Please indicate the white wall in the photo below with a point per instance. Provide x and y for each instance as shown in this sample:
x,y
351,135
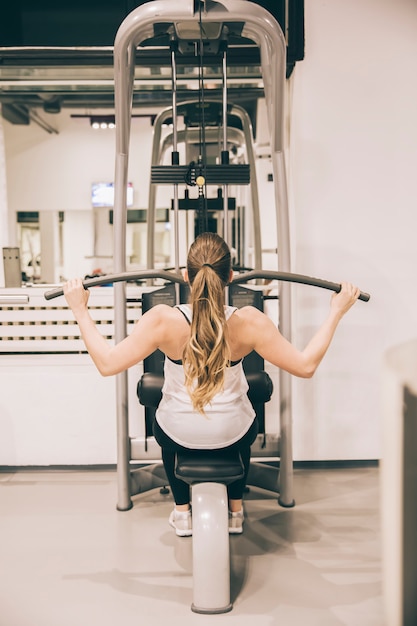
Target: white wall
x,y
353,157
54,172
62,418
353,162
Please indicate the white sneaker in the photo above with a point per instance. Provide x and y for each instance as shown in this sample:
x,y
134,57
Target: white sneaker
x,y
236,522
181,521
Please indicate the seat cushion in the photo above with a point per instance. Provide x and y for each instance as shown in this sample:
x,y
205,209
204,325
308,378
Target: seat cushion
x,y
218,466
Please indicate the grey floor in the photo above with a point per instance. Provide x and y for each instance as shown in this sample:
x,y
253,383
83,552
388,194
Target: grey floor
x,y
69,558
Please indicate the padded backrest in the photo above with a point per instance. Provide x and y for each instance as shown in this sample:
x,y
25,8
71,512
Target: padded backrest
x,y
240,296
166,295
149,388
154,363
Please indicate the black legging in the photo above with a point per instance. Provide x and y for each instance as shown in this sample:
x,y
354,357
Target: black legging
x,y
180,489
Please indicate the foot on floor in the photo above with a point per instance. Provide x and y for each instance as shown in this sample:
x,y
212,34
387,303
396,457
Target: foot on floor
x,y
236,522
181,521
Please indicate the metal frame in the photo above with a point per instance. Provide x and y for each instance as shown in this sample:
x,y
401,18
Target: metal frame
x,y
264,30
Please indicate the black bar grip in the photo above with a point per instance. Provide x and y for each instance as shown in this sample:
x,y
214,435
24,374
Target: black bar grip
x,y
117,278
294,278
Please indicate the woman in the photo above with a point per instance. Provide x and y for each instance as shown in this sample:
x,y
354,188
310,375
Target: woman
x,y
204,402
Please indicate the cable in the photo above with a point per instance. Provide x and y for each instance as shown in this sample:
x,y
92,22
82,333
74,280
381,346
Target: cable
x,y
202,161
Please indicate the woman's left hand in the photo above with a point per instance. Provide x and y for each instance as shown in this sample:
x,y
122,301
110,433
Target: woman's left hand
x,y
345,298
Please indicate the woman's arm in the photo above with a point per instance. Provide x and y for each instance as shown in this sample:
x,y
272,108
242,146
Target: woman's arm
x,y
273,347
109,359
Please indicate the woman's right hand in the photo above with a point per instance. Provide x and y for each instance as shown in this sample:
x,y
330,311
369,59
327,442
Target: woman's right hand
x,y
75,294
343,300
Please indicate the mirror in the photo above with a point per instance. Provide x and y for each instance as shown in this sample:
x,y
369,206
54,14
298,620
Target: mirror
x,y
50,182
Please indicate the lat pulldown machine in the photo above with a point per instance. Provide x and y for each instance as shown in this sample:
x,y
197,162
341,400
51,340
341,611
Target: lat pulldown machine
x,y
205,26
197,21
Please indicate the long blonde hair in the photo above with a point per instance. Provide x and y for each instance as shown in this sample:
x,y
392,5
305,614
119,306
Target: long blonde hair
x,y
207,354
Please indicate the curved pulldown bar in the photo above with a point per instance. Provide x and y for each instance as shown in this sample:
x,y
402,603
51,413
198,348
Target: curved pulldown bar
x,y
119,278
177,278
289,277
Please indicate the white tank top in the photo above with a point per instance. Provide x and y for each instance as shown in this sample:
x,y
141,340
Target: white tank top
x,y
227,418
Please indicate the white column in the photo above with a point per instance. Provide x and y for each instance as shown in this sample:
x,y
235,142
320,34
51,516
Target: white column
x,y
50,258
7,238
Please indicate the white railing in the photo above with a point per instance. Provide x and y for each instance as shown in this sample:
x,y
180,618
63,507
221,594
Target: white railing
x,y
31,324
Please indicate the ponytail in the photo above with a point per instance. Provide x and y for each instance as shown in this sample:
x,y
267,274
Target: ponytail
x,y
207,353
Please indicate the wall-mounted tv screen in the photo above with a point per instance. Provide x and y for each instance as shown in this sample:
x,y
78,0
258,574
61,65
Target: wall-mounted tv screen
x,y
102,194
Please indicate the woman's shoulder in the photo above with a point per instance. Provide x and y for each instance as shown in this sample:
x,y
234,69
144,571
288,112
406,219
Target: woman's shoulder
x,y
164,312
249,313
245,326
248,319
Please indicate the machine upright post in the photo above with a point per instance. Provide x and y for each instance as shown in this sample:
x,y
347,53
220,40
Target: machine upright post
x,y
225,153
175,161
123,448
285,383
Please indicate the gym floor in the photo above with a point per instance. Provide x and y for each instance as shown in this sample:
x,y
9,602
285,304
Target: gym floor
x,y
69,558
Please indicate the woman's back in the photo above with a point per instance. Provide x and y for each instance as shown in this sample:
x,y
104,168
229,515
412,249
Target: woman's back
x,y
178,331
226,418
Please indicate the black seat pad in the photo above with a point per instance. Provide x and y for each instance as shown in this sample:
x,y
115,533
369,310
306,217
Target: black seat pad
x,y
218,466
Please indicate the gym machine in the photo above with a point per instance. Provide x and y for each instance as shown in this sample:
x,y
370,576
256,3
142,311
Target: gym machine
x,y
205,25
